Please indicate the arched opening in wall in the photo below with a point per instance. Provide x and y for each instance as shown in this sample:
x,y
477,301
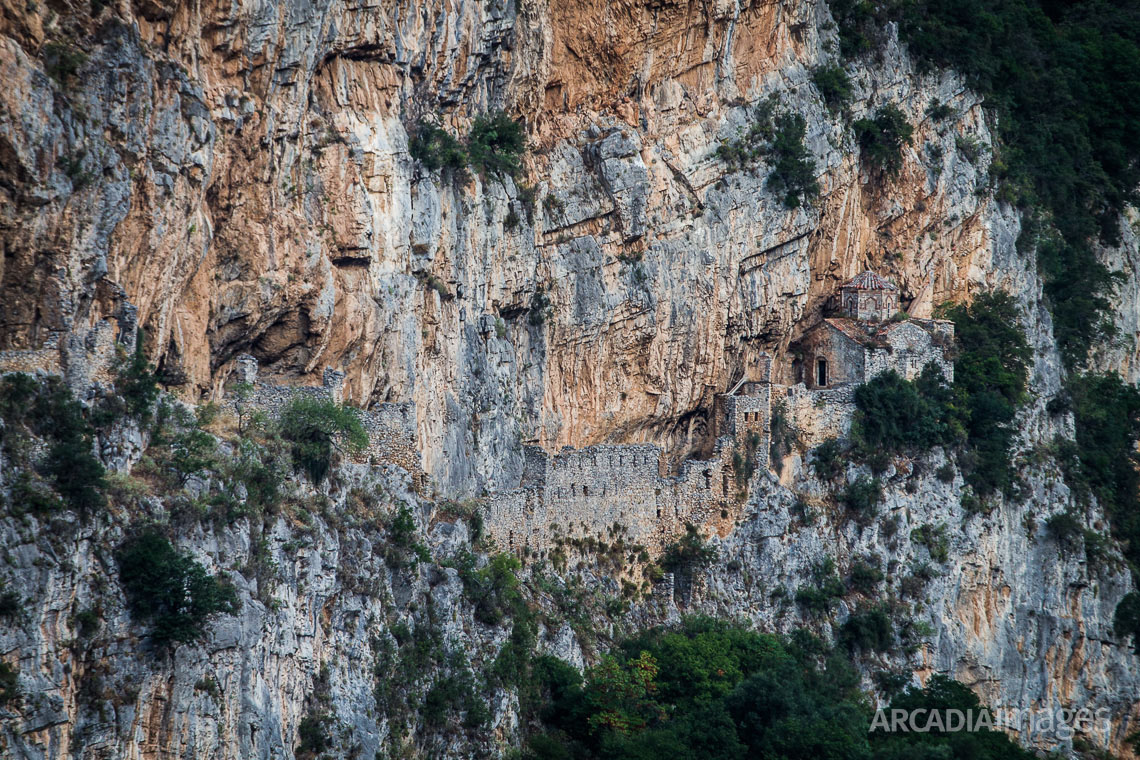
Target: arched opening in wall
x,y
659,513
821,372
585,490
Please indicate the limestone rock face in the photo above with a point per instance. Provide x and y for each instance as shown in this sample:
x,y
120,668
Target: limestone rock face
x,y
239,174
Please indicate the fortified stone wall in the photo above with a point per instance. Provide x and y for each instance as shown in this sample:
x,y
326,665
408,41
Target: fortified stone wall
x,y
587,492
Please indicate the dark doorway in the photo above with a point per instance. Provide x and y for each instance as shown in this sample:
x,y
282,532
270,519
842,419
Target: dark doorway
x,y
821,373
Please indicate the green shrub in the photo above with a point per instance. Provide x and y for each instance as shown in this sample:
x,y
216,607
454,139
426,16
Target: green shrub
x,y
1126,621
62,61
777,137
1102,460
824,589
688,553
313,734
861,498
136,383
1067,530
934,538
793,168
882,138
48,410
869,629
315,428
828,460
9,684
169,589
939,111
834,86
436,149
865,577
990,374
496,144
894,415
402,527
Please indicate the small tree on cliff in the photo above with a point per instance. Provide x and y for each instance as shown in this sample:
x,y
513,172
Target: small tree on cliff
x,y
315,428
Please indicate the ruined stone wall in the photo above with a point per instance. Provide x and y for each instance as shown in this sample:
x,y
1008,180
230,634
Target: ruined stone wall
x,y
817,414
910,347
605,490
391,427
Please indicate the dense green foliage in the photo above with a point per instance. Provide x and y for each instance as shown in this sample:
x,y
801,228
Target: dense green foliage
x,y
711,690
990,375
1064,79
882,138
1103,461
975,416
896,415
834,86
315,428
1126,621
494,145
777,136
47,410
169,589
688,553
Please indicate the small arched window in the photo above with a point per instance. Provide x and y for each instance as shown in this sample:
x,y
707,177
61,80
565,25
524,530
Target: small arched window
x,y
821,372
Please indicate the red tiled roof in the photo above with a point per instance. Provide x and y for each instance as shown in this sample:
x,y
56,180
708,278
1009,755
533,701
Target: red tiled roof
x,y
867,280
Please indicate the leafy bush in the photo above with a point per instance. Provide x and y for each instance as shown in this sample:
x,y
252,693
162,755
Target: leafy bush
x,y
777,137
828,460
9,684
869,629
313,734
793,168
882,138
496,144
861,498
436,149
934,538
1066,529
691,551
834,86
315,428
1102,461
169,589
865,577
824,589
136,383
1126,621
494,589
48,410
896,415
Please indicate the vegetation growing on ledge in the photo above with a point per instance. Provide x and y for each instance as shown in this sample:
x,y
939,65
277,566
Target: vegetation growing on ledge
x,y
777,138
169,589
315,428
1064,79
494,145
882,138
47,410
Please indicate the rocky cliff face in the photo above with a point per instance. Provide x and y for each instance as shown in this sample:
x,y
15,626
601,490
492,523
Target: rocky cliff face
x,y
241,175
